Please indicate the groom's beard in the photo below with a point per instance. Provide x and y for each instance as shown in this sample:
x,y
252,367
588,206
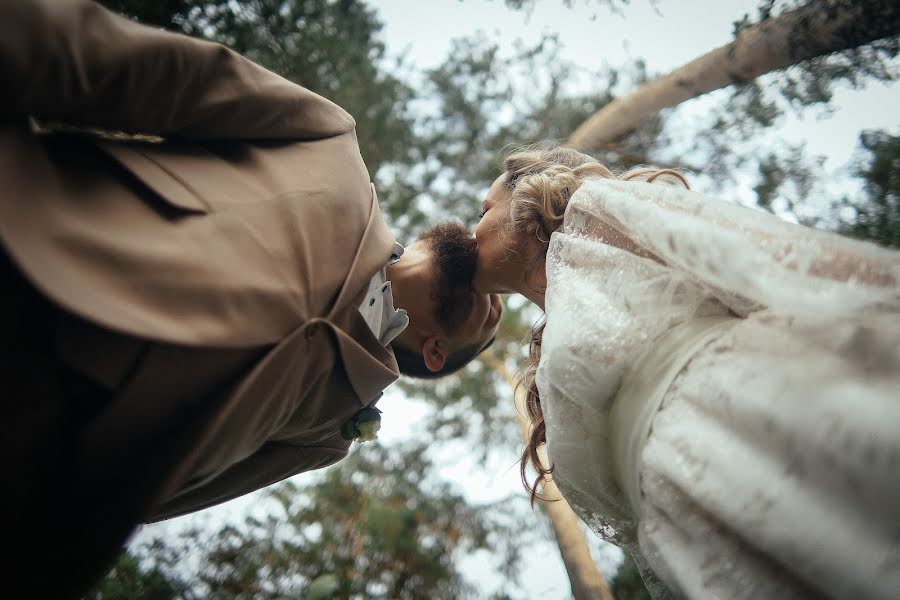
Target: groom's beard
x,y
455,255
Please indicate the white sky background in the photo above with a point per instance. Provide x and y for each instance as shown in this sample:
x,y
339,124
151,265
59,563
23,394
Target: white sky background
x,y
665,35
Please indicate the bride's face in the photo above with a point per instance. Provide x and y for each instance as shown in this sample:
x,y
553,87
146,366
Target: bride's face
x,y
502,251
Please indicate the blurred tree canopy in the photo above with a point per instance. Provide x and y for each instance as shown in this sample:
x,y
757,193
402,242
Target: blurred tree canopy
x,y
627,583
129,579
162,13
740,130
378,525
813,81
877,216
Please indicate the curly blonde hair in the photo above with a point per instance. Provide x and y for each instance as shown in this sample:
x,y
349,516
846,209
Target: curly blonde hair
x,y
541,180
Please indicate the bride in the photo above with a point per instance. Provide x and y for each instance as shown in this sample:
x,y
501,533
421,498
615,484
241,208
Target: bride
x,y
718,390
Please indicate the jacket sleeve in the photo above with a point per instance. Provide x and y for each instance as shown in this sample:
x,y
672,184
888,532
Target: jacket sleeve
x,y
74,62
272,463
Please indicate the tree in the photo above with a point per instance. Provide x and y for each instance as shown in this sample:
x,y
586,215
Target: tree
x,y
376,526
162,13
877,218
627,583
129,579
817,28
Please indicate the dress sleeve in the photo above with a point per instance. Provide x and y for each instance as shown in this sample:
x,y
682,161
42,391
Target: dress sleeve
x,y
604,307
744,257
75,62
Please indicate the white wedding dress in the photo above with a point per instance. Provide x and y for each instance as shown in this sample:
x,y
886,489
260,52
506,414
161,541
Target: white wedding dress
x,y
729,414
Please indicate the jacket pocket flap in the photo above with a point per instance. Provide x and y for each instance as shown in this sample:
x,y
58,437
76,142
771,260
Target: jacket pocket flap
x,y
155,176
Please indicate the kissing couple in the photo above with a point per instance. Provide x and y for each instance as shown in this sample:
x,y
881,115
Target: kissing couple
x,y
197,314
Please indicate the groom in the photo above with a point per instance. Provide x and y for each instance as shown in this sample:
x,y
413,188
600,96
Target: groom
x,y
188,318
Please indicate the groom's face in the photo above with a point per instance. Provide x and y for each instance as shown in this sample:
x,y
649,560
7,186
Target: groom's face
x,y
449,322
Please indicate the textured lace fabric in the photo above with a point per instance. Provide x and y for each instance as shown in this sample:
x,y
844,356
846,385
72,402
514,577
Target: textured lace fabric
x,y
773,466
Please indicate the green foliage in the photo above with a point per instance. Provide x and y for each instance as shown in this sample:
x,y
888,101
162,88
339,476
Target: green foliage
x,y
529,4
627,584
752,108
877,217
739,138
333,48
162,13
379,525
738,135
476,103
129,579
812,82
787,180
372,524
771,178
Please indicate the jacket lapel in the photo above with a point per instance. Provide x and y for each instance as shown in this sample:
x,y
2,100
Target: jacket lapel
x,y
370,366
373,253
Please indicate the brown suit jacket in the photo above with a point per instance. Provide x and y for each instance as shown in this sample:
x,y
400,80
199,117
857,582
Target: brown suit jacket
x,y
253,227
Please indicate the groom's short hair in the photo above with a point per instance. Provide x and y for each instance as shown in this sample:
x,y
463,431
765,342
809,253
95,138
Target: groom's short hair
x,y
412,364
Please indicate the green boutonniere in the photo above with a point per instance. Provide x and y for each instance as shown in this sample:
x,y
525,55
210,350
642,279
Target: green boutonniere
x,y
363,426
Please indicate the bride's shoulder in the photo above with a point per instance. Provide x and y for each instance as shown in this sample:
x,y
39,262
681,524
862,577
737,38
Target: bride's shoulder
x,y
600,196
606,209
587,204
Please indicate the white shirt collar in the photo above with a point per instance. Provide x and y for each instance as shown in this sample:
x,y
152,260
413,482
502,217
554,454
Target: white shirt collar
x,y
377,307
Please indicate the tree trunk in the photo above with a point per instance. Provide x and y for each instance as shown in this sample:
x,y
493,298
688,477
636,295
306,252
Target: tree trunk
x,y
817,28
584,575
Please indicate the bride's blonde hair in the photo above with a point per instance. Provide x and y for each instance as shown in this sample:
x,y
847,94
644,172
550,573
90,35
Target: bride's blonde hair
x,y
541,180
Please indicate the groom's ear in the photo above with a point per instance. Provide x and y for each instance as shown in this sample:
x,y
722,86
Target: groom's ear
x,y
434,352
